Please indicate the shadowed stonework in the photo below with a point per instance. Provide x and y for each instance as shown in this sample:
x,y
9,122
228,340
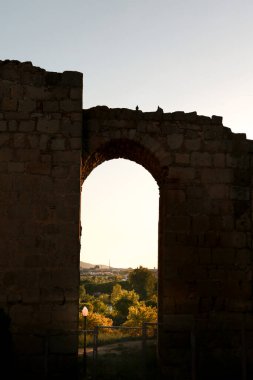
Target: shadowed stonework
x,y
48,146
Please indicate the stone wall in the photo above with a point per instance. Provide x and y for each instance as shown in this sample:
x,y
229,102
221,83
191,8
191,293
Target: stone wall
x,y
40,154
48,146
205,230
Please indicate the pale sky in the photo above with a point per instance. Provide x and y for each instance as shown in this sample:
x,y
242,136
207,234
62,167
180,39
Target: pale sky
x,y
183,55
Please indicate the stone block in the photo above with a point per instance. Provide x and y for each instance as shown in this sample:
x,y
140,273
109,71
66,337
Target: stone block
x,y
76,116
200,223
4,139
53,295
181,173
3,167
21,314
24,155
27,126
31,296
182,158
227,222
218,191
234,239
58,144
63,344
195,192
217,175
33,140
48,126
76,143
72,79
175,141
217,120
192,145
44,141
71,105
19,140
42,168
219,160
237,160
71,128
12,125
3,125
76,93
178,322
223,255
11,115
36,93
66,312
60,171
9,104
200,159
175,196
67,156
241,193
179,223
51,106
27,105
52,79
17,167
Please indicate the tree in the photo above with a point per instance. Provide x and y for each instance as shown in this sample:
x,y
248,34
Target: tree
x,y
122,305
121,300
116,294
96,319
82,292
143,281
152,301
139,314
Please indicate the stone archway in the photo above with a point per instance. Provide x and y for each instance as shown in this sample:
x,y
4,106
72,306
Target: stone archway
x,y
205,221
123,148
131,150
202,169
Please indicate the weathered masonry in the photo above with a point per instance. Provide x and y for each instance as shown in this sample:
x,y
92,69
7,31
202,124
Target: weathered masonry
x,y
48,146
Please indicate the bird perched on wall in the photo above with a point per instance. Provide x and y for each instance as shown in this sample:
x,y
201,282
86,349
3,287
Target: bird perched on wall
x,y
137,108
159,109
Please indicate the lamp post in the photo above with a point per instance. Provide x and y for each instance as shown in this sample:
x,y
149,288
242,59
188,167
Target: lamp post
x,y
84,314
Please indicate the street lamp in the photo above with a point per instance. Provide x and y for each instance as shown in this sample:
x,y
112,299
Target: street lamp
x,y
84,314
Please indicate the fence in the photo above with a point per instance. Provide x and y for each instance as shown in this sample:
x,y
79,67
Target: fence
x,y
195,335
143,337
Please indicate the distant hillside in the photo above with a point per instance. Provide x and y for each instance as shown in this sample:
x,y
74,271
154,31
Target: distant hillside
x,y
89,266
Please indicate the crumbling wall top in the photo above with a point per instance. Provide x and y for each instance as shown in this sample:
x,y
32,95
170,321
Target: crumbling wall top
x,y
27,73
101,112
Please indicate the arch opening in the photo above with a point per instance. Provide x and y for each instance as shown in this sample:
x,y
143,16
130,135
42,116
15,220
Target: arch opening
x,y
120,201
139,157
127,149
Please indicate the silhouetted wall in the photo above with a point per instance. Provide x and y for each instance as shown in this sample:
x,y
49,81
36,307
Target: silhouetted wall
x,y
48,146
40,156
205,231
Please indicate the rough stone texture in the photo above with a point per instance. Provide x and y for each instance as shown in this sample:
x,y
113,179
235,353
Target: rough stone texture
x,y
205,221
205,230
41,115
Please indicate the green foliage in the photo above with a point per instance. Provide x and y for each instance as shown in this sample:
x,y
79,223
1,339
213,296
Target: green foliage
x,y
105,298
102,287
116,303
95,319
152,301
121,300
143,281
86,300
82,292
116,293
139,314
